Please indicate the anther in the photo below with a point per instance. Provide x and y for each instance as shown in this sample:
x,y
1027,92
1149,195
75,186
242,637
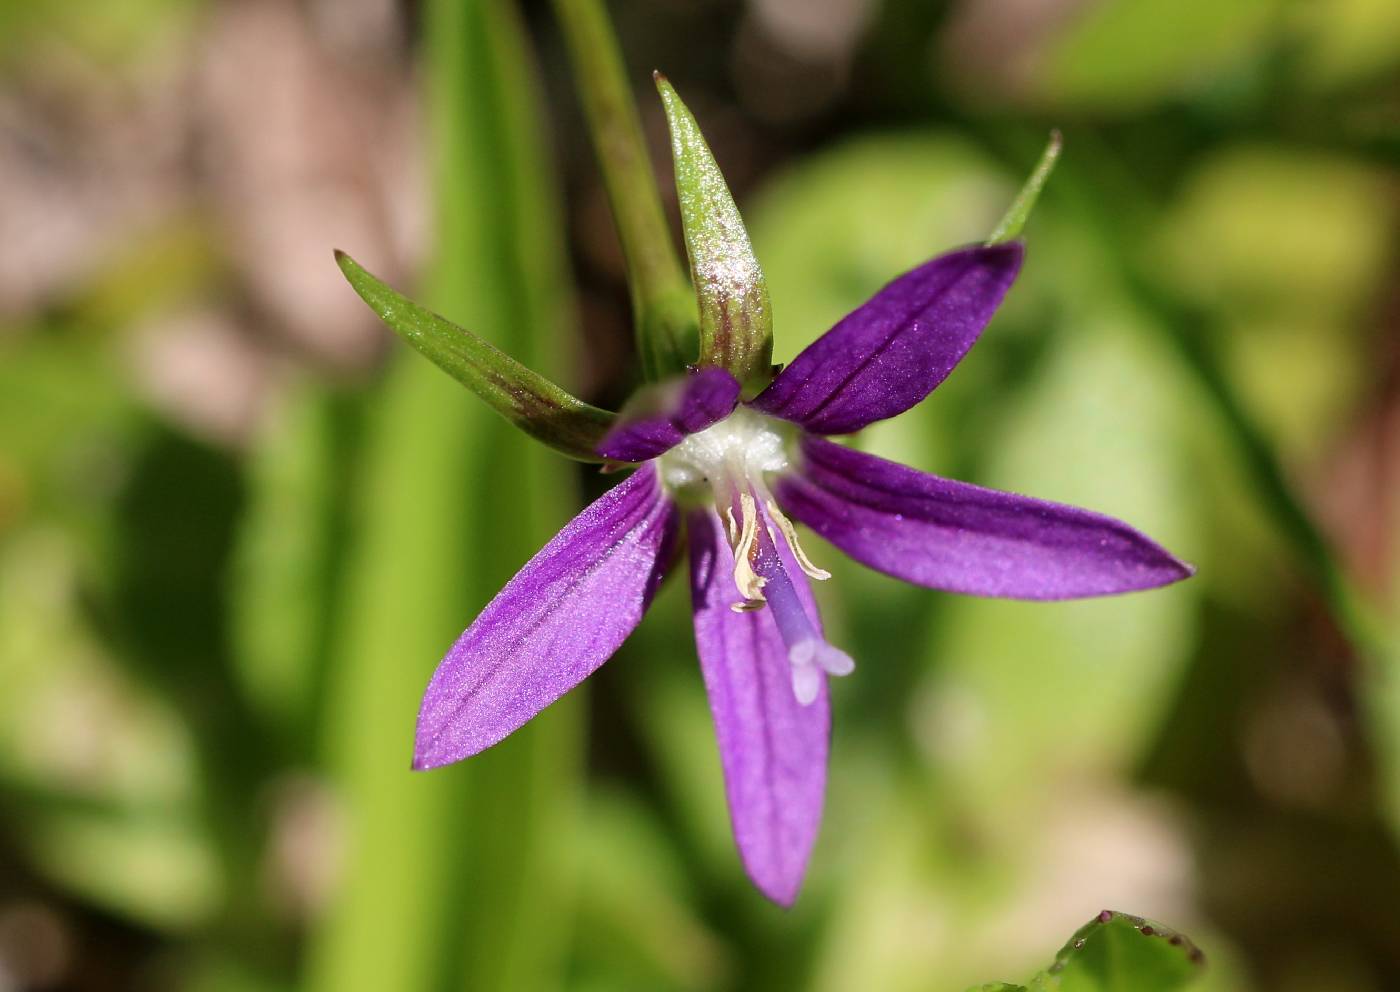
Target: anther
x,y
785,525
749,582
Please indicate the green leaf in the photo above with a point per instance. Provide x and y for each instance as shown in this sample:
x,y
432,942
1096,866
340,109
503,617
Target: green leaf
x,y
736,319
1024,203
524,397
1125,54
662,306
287,568
457,878
1090,712
1115,952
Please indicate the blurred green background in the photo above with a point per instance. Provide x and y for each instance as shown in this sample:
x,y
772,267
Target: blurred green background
x,y
239,525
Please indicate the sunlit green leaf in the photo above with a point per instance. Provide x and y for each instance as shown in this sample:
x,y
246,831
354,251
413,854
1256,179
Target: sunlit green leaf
x,y
1115,952
156,869
287,568
1286,246
1348,41
1125,53
736,319
1098,427
460,877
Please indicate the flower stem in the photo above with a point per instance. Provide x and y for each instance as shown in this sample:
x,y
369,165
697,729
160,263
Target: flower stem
x,y
663,305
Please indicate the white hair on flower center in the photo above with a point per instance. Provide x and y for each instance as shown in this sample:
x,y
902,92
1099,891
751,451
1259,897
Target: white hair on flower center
x,y
745,444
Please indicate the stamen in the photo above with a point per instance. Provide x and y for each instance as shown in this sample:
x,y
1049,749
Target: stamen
x,y
785,525
750,583
732,458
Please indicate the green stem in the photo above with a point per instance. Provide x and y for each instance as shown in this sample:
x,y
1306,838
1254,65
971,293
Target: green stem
x,y
1293,520
663,305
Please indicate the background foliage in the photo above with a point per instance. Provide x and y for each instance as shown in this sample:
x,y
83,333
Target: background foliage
x,y
238,527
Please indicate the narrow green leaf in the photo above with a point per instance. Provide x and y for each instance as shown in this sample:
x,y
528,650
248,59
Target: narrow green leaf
x,y
1024,203
287,567
736,319
457,878
389,925
525,398
661,296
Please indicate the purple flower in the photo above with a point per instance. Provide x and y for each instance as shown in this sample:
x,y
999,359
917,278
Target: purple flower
x,y
727,456
729,478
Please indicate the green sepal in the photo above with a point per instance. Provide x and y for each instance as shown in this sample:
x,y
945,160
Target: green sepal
x,y
1016,216
524,397
736,319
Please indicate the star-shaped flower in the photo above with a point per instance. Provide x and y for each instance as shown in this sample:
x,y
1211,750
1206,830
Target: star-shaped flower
x,y
726,458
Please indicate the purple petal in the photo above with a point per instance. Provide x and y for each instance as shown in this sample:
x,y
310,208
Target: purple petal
x,y
665,414
772,748
963,538
884,357
562,616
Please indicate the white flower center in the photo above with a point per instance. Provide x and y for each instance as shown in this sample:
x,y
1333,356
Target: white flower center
x,y
743,445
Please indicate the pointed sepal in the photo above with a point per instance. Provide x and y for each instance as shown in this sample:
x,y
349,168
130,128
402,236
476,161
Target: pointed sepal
x,y
524,397
1021,207
736,319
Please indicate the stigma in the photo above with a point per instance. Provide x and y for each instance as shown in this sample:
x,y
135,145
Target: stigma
x,y
774,551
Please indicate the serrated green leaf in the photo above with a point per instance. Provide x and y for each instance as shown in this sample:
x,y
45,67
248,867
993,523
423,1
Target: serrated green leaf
x,y
736,319
1115,952
527,399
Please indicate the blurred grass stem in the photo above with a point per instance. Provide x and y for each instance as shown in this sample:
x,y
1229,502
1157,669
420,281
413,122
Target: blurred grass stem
x,y
1188,330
